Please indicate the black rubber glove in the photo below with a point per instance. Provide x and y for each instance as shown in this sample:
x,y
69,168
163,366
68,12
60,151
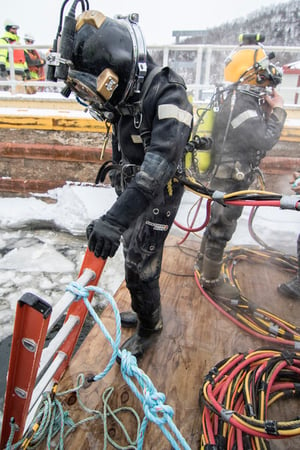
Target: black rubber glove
x,y
104,237
104,234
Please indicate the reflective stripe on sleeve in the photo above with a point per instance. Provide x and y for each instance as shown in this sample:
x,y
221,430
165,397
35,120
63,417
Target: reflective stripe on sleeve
x,y
241,118
170,111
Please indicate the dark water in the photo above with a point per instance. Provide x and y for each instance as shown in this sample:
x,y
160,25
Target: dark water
x,y
5,346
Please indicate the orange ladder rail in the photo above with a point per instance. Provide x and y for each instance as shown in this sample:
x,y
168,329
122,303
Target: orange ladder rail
x,y
30,373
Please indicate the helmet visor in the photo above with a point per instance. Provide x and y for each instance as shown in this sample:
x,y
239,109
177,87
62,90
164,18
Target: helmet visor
x,y
92,89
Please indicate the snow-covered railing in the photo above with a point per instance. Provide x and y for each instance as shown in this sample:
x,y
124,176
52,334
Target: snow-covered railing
x,y
201,66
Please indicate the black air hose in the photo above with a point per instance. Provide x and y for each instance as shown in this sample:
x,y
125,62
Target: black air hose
x,y
67,42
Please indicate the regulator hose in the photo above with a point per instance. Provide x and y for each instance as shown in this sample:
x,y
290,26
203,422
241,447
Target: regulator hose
x,y
236,396
252,318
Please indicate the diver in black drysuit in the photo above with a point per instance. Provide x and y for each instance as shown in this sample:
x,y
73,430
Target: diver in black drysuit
x,y
248,124
109,69
147,207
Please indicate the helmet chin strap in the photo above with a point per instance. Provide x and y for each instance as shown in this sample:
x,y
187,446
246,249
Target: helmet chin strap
x,y
139,66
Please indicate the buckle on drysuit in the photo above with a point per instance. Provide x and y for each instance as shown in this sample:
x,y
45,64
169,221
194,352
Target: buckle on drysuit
x,y
128,171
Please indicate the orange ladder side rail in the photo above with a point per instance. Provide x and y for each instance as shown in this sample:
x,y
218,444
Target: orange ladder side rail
x,y
31,328
29,334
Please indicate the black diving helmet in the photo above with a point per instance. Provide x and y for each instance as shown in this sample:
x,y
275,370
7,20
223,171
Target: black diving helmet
x,y
102,60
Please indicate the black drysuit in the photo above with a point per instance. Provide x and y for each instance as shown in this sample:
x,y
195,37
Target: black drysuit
x,y
242,134
149,142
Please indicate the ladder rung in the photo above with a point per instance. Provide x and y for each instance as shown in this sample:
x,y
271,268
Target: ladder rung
x,y
42,387
49,351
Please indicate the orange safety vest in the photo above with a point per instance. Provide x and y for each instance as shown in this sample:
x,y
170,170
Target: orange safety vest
x,y
19,56
36,72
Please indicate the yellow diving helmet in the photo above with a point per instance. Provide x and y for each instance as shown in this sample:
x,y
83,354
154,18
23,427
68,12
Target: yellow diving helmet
x,y
250,64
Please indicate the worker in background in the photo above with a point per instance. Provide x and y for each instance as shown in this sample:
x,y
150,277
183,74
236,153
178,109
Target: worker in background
x,y
152,119
34,61
248,124
10,36
291,289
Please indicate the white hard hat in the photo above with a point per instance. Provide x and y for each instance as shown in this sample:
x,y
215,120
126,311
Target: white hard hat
x,y
28,37
10,23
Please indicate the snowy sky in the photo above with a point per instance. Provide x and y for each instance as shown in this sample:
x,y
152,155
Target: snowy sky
x,y
157,18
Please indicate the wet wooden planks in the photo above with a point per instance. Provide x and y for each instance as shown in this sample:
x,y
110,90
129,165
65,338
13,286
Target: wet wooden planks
x,y
195,337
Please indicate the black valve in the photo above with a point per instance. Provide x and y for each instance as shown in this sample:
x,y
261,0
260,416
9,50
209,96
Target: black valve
x,y
251,38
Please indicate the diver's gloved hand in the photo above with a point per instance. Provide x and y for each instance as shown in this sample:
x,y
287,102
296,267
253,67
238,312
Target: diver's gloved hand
x,y
104,237
104,234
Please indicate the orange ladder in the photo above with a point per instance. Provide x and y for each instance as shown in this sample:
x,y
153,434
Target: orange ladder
x,y
34,367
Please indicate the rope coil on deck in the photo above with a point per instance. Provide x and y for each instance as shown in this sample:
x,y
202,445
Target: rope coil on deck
x,y
152,401
51,421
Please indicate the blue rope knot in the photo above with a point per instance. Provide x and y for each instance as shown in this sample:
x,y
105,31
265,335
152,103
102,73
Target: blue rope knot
x,y
154,407
78,290
128,363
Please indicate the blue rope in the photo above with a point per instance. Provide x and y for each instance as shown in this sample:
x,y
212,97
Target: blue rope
x,y
83,292
152,400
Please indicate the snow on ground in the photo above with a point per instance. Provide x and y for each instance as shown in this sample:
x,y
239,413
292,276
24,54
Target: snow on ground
x,y
42,243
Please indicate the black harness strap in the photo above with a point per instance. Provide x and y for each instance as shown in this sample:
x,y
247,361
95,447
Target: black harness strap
x,y
136,108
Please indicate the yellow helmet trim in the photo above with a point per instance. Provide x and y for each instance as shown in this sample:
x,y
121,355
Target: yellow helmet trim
x,y
94,18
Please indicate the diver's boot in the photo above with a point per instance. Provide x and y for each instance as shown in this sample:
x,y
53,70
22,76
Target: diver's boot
x,y
146,334
214,282
129,319
291,289
200,255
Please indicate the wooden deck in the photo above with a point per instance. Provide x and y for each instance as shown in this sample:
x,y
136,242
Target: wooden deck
x,y
195,337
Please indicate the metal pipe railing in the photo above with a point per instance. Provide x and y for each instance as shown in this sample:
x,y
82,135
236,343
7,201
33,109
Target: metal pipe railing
x,y
201,66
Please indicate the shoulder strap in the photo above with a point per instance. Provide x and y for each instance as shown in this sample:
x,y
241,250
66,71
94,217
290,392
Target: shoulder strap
x,y
138,117
136,108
